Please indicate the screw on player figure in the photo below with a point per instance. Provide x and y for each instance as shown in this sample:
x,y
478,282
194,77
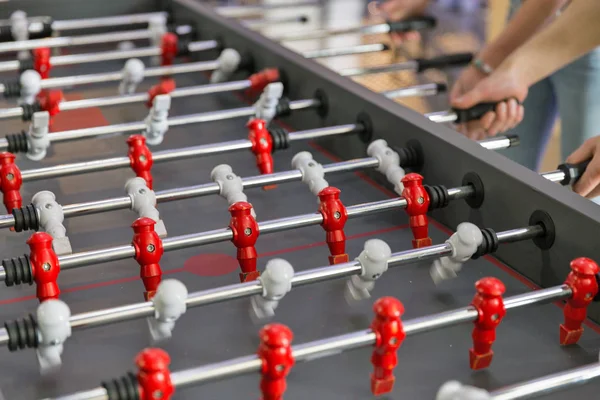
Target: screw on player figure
x,y
10,182
245,234
275,351
374,262
140,158
464,243
154,377
334,219
389,332
583,284
148,252
417,205
169,304
262,146
490,306
44,266
276,281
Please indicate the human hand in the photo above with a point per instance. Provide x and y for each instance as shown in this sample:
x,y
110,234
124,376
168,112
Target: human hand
x,y
589,183
468,79
396,10
502,84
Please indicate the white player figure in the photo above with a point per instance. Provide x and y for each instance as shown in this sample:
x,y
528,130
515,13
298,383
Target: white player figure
x,y
276,281
313,174
53,328
266,105
157,26
51,217
228,62
464,243
133,75
38,141
389,163
169,304
157,121
453,390
31,85
374,262
143,203
19,29
231,187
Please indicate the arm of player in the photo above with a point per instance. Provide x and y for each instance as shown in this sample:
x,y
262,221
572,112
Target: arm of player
x,y
570,36
526,22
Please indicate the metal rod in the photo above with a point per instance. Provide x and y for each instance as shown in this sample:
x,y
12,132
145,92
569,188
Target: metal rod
x,y
346,51
267,23
442,117
244,11
411,65
73,59
428,89
64,41
102,22
548,384
323,33
554,176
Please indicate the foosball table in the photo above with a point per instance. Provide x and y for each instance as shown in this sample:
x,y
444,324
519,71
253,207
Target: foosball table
x,y
295,234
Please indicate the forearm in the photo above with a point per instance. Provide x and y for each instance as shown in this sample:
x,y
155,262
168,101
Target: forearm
x,y
529,19
573,34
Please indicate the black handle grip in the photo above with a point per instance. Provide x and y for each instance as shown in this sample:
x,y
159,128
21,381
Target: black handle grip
x,y
473,113
450,60
572,172
6,34
413,24
43,31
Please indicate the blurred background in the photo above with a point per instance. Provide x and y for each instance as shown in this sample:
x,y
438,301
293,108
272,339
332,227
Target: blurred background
x,y
463,25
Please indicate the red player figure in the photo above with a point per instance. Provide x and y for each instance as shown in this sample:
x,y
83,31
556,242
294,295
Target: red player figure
x,y
148,252
275,351
41,61
140,158
262,146
583,284
334,219
490,306
387,326
44,266
168,47
50,101
10,181
245,234
417,205
154,377
165,86
260,80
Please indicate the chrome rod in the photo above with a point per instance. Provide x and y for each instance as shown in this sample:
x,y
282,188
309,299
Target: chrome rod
x,y
102,22
411,65
64,41
442,116
554,176
346,51
548,384
323,33
428,89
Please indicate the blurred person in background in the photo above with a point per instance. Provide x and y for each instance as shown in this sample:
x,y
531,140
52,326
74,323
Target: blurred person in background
x,y
546,62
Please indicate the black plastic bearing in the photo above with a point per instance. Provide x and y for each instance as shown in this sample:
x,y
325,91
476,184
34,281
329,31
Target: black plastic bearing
x,y
323,101
123,388
12,89
438,196
476,199
247,63
542,218
280,138
283,108
412,156
17,142
26,218
25,65
30,109
18,271
183,48
366,133
488,245
22,333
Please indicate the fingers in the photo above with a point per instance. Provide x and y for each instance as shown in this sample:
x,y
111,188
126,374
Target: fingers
x,y
589,183
402,37
584,152
501,119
